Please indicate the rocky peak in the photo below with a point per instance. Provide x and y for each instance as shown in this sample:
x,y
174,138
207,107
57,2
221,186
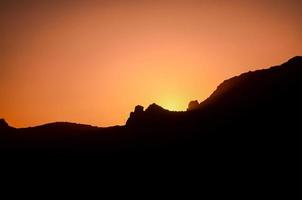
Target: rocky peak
x,y
193,105
139,109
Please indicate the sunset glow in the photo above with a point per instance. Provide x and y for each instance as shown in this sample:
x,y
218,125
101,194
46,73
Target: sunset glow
x,y
92,61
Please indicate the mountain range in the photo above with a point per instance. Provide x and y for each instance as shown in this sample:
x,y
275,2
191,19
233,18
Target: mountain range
x,y
255,113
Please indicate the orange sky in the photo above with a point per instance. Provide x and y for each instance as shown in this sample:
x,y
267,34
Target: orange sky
x,y
93,62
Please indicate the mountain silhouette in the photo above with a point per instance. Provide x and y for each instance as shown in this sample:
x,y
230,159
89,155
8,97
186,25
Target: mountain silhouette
x,y
193,105
3,123
4,127
255,113
268,91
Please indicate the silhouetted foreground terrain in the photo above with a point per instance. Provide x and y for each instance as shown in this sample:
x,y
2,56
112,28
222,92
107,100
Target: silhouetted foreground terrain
x,y
255,114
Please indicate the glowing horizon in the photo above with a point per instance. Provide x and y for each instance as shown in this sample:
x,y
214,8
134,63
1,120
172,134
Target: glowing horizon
x,y
92,62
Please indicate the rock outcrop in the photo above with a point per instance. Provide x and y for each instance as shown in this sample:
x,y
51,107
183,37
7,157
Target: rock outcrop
x,y
3,123
193,105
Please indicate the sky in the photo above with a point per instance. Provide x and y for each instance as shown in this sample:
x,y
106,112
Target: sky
x,y
92,62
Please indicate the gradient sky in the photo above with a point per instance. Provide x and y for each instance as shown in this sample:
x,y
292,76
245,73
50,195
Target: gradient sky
x,y
93,61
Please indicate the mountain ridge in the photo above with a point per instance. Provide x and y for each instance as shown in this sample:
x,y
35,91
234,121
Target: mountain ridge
x,y
154,108
244,87
254,112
